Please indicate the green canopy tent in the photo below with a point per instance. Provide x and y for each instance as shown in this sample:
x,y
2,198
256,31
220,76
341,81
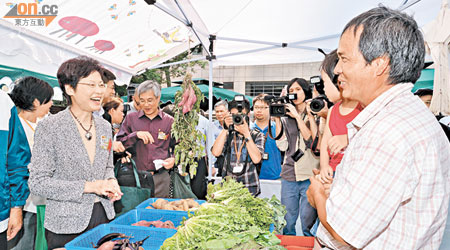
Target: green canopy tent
x,y
10,74
425,80
16,73
168,94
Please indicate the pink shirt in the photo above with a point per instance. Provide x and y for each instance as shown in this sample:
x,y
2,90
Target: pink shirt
x,y
391,190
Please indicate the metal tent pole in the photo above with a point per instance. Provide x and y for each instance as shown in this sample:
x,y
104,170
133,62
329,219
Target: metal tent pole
x,y
210,107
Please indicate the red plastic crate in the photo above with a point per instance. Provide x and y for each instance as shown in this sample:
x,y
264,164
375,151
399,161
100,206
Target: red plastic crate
x,y
301,242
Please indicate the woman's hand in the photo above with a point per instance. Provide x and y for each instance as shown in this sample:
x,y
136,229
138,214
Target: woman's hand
x,y
337,143
326,174
103,188
292,111
117,195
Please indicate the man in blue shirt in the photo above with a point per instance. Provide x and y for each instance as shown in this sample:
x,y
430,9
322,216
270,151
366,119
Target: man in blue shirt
x,y
14,159
271,165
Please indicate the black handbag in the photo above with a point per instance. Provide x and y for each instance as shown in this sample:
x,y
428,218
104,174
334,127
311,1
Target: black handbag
x,y
125,176
134,194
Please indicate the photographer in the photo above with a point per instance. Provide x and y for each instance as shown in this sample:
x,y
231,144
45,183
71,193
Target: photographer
x,y
271,164
294,136
241,147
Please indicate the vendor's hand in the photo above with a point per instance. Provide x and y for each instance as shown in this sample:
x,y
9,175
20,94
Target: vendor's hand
x,y
15,222
118,146
326,174
168,163
337,143
291,111
315,188
117,194
145,136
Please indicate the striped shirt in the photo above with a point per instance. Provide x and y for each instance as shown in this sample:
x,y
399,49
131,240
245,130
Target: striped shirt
x,y
391,190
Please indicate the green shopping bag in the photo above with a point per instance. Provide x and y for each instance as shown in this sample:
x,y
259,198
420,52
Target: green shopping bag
x,y
41,242
132,196
180,187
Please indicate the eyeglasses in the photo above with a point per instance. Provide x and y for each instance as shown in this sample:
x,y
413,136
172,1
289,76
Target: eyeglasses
x,y
260,107
92,85
149,101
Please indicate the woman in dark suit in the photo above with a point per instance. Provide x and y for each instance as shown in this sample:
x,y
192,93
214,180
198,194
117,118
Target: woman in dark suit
x,y
72,157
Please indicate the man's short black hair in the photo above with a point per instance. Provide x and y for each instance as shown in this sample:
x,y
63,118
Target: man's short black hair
x,y
233,105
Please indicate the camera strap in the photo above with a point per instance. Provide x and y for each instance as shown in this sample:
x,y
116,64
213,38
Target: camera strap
x,y
228,157
238,153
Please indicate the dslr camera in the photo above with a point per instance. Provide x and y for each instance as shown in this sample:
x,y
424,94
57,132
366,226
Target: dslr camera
x,y
277,105
318,103
239,118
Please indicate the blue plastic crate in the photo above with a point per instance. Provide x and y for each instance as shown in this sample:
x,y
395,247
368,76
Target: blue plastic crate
x,y
136,215
150,201
154,242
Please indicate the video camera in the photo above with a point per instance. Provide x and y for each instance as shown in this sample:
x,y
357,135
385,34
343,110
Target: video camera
x,y
318,103
277,104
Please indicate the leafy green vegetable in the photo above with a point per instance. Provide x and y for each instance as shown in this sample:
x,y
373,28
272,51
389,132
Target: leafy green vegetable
x,y
279,213
231,219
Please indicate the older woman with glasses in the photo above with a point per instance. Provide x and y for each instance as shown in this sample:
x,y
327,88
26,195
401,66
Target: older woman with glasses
x,y
72,158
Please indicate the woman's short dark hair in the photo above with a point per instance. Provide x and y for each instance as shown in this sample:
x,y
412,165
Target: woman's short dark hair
x,y
71,71
305,86
329,63
28,89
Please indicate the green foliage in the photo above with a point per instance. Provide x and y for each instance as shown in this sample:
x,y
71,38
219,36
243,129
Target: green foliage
x,y
167,73
231,219
188,138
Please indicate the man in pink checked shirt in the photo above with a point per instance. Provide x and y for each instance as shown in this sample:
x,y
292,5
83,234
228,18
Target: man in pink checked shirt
x,y
391,190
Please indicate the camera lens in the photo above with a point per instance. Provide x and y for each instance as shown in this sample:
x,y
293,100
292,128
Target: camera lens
x,y
317,104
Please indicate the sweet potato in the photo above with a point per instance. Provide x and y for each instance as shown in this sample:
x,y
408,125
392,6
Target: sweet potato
x,y
159,203
109,245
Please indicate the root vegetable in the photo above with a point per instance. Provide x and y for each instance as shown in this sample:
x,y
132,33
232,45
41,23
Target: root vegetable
x,y
109,245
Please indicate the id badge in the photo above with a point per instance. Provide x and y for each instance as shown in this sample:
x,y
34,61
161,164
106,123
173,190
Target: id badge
x,y
238,168
161,135
265,156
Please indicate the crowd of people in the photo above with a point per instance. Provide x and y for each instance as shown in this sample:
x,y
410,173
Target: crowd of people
x,y
370,168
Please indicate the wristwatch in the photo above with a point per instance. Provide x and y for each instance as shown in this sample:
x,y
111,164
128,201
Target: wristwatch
x,y
247,139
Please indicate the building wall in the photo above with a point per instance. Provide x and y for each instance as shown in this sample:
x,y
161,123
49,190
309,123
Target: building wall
x,y
239,75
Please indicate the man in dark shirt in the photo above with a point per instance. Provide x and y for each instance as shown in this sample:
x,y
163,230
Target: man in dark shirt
x,y
148,131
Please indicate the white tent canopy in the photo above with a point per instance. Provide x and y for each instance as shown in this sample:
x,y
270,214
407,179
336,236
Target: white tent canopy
x,y
130,36
126,36
265,26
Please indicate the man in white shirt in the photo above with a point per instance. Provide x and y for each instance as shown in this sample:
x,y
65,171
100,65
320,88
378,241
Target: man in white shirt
x,y
391,190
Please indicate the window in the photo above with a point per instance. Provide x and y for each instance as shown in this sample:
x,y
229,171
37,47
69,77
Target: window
x,y
228,85
271,88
